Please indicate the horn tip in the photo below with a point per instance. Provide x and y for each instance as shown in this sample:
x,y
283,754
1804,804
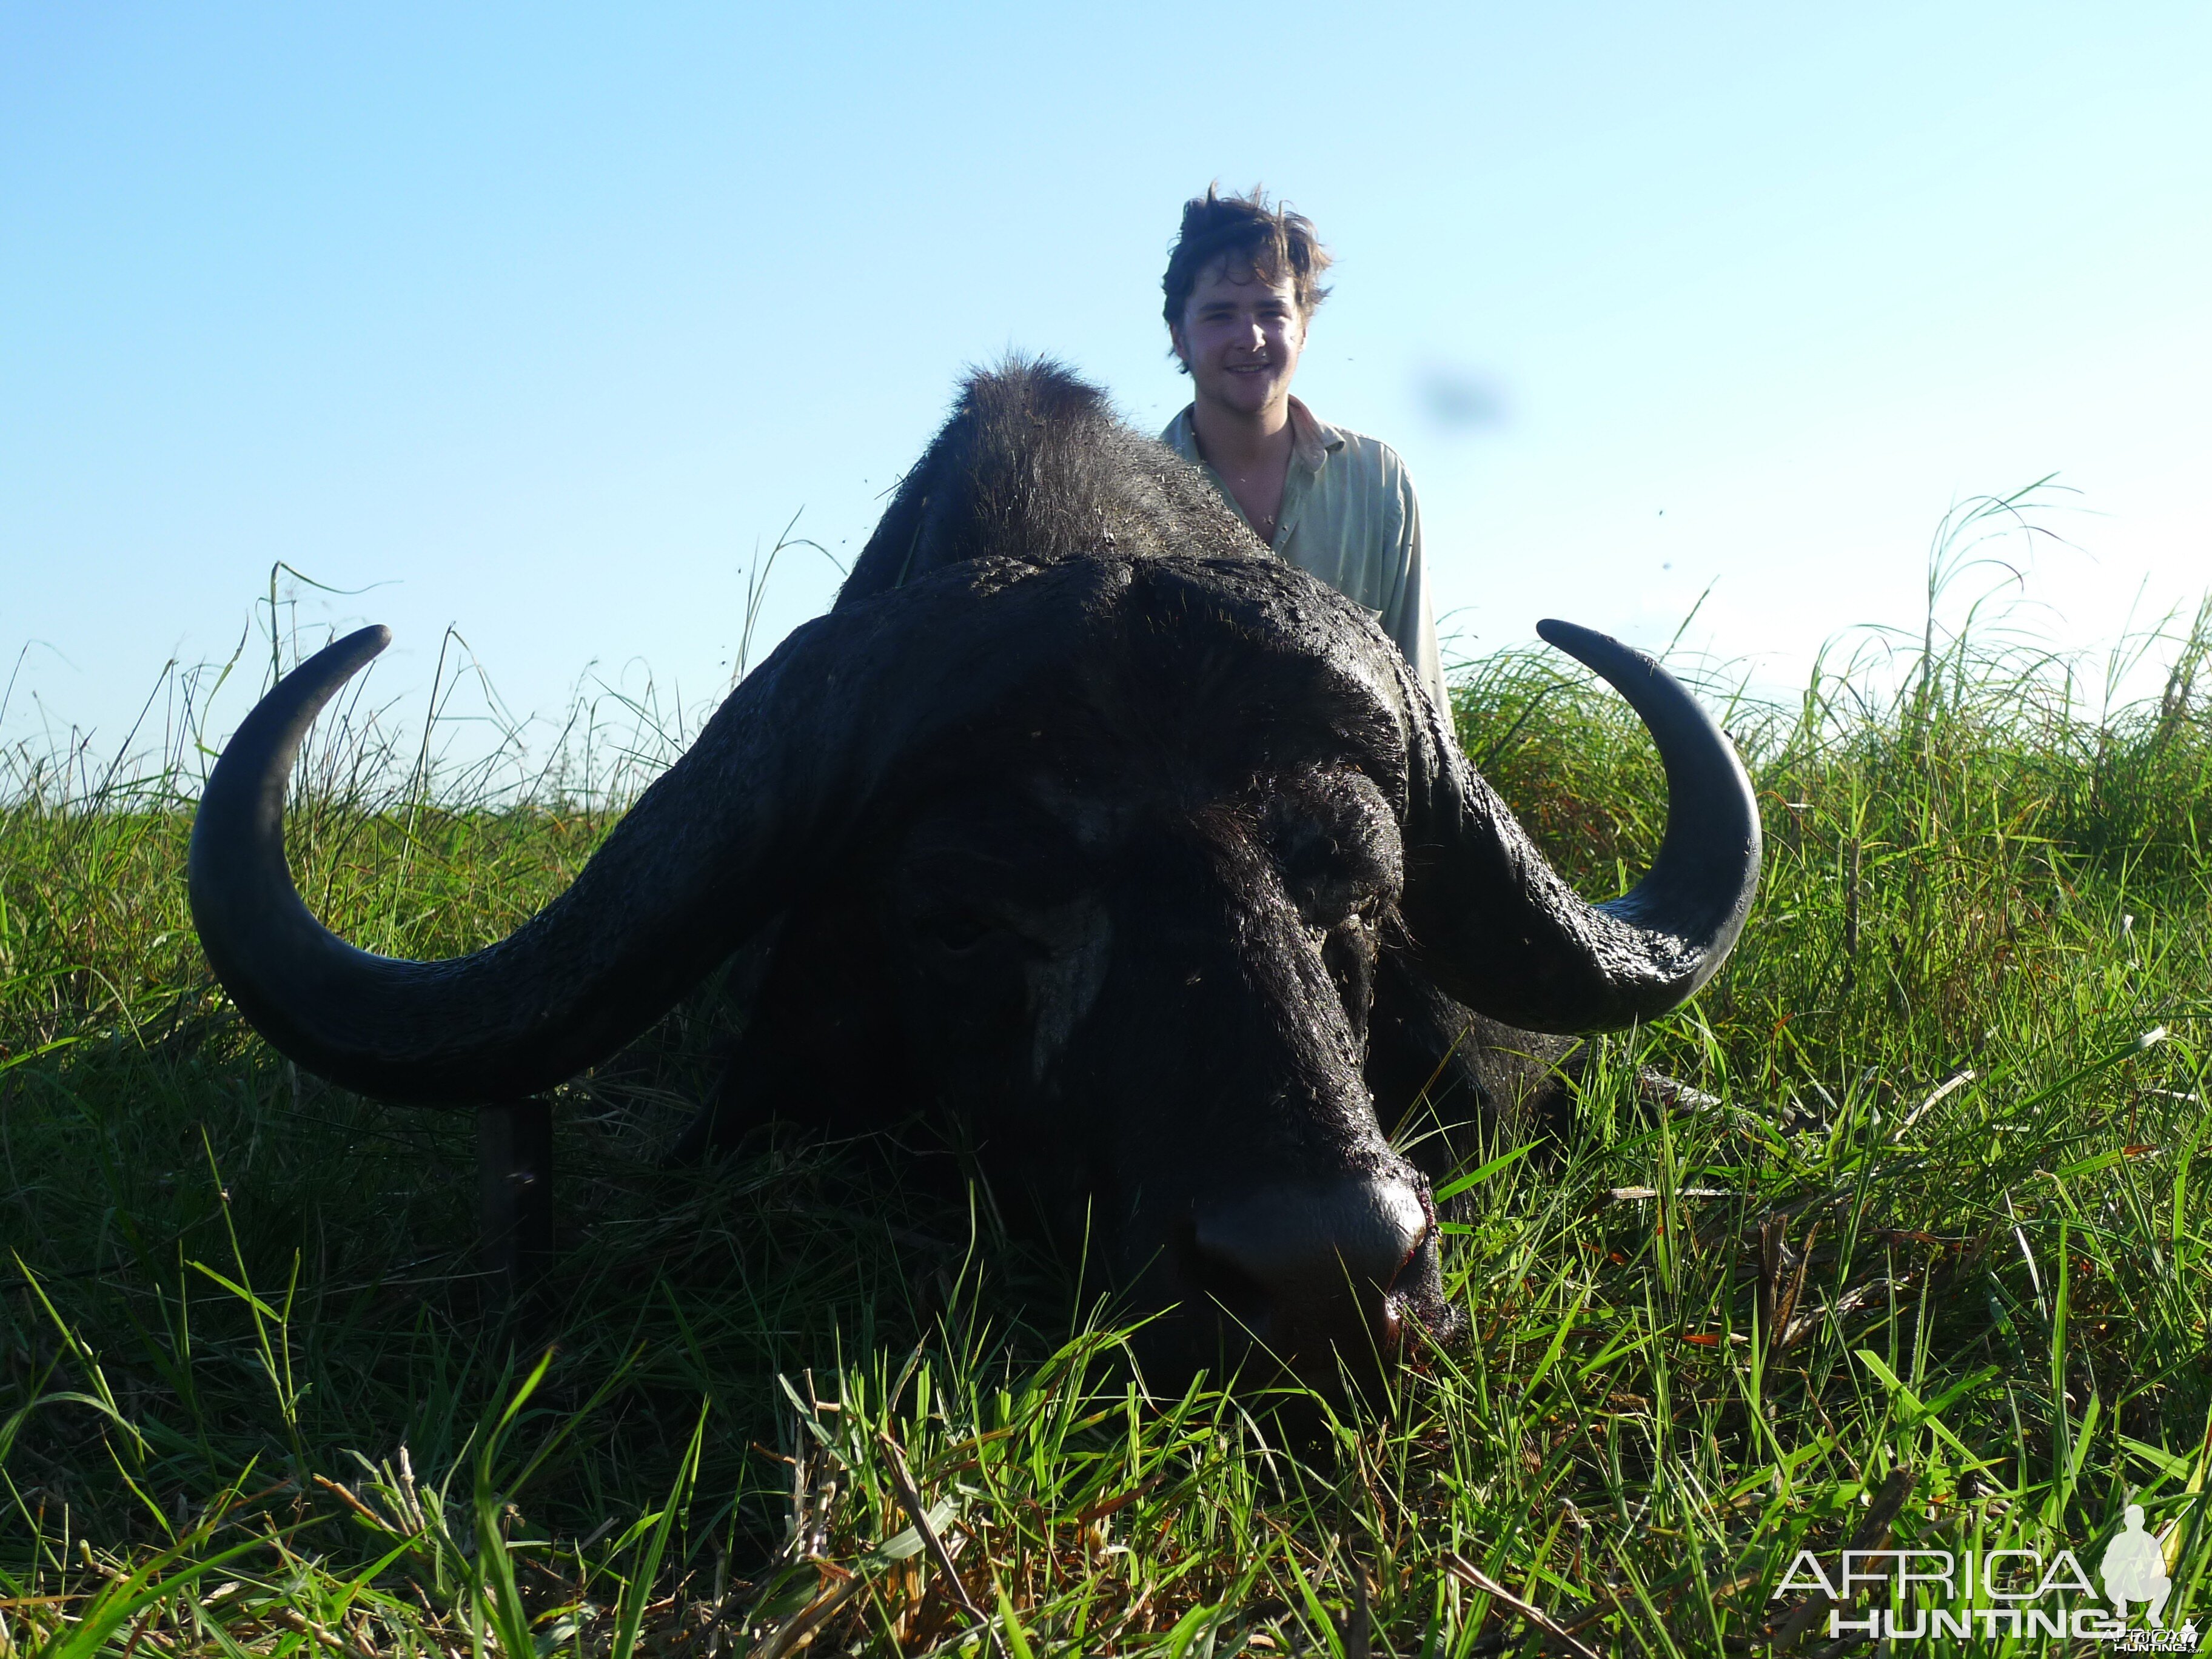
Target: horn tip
x,y
1589,647
1563,634
343,658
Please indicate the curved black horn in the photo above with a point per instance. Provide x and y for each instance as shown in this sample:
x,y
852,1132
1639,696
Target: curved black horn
x,y
1506,936
713,849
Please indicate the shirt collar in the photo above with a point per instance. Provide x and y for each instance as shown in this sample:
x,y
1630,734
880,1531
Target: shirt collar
x,y
1313,440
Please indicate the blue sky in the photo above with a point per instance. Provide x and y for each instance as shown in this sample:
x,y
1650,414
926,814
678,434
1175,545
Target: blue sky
x,y
545,319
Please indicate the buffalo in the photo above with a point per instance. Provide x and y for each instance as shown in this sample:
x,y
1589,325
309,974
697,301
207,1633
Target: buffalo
x,y
1083,821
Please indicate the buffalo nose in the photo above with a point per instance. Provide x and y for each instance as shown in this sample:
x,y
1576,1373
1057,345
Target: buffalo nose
x,y
1301,1266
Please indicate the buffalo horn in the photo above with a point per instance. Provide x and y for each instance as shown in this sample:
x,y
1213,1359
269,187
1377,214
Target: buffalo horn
x,y
709,853
1507,937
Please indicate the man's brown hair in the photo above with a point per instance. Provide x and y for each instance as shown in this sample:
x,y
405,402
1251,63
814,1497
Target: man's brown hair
x,y
1246,230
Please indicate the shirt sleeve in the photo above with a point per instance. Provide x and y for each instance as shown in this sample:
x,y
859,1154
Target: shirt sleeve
x,y
1411,620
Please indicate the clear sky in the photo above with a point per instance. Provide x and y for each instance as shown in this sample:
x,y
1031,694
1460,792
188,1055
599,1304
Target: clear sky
x,y
545,318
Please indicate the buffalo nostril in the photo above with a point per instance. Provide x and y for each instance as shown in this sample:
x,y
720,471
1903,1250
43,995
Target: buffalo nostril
x,y
1314,1260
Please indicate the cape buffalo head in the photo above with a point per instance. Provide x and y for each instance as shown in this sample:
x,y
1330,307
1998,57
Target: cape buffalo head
x,y
1087,821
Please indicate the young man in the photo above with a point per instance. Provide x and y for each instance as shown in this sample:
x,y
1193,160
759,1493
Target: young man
x,y
1241,283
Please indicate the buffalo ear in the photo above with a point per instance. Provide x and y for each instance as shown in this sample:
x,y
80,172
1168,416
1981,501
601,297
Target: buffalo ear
x,y
819,1048
1451,1086
717,1015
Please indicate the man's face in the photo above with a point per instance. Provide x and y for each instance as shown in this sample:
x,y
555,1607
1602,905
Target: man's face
x,y
1240,338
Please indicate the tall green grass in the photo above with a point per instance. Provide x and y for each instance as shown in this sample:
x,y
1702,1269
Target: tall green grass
x,y
1923,1254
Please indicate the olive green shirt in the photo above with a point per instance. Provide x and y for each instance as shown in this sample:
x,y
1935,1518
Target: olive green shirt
x,y
1349,518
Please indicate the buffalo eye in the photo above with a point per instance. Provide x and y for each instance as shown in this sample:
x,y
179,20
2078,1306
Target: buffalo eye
x,y
957,933
1359,920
